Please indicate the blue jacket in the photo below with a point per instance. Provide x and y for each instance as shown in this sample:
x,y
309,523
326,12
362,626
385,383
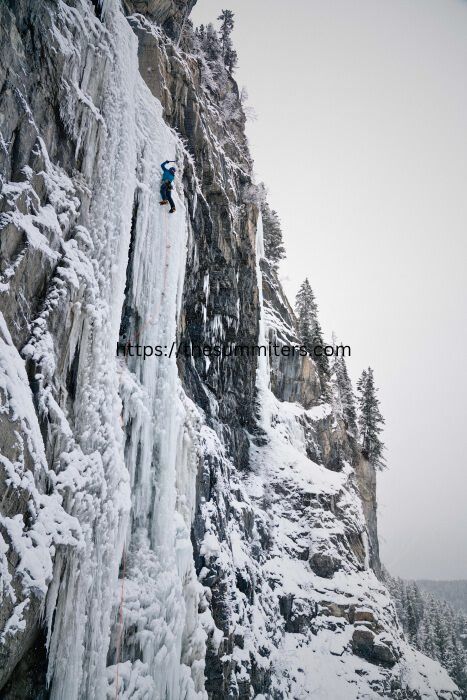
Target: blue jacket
x,y
167,176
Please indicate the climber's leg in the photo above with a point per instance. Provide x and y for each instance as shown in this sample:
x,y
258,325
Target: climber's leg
x,y
171,202
164,198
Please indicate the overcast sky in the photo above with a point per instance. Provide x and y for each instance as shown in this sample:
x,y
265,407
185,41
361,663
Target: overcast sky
x,y
361,139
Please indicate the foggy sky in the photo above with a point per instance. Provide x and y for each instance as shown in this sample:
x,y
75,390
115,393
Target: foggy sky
x,y
361,139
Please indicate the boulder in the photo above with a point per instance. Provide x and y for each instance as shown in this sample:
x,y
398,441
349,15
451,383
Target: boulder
x,y
323,565
365,616
372,648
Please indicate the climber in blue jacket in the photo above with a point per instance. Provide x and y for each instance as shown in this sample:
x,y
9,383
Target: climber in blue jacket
x,y
168,175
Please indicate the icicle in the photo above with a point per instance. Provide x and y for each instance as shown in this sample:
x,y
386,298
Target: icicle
x,y
263,369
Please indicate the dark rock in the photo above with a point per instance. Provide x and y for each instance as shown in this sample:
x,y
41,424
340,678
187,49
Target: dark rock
x,y
324,565
363,642
29,678
384,654
367,645
286,606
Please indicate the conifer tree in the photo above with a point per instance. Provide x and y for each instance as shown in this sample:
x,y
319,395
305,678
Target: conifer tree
x,y
273,245
370,420
433,627
458,665
211,44
228,52
342,391
414,611
304,304
310,333
426,637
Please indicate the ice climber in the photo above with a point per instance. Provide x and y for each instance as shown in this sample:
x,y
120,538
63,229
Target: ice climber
x,y
168,176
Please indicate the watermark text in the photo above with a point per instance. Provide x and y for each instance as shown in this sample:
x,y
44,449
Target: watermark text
x,y
185,349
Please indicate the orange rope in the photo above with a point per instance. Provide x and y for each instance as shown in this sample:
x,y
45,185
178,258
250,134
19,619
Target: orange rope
x,y
120,615
166,255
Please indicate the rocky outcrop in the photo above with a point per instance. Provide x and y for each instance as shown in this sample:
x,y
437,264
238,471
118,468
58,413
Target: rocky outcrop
x,y
368,645
366,480
292,378
171,15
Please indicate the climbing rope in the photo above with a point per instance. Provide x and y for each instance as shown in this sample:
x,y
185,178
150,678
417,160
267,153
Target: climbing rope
x,y
120,617
155,313
166,263
122,588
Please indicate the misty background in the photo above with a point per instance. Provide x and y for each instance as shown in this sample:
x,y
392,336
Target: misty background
x,y
360,137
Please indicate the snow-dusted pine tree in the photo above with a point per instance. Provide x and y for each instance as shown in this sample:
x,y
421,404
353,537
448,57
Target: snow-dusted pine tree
x,y
200,32
228,52
342,391
211,44
273,244
370,420
310,333
426,635
432,626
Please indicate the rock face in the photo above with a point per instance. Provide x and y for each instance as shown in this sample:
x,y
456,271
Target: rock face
x,y
366,480
171,524
171,15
